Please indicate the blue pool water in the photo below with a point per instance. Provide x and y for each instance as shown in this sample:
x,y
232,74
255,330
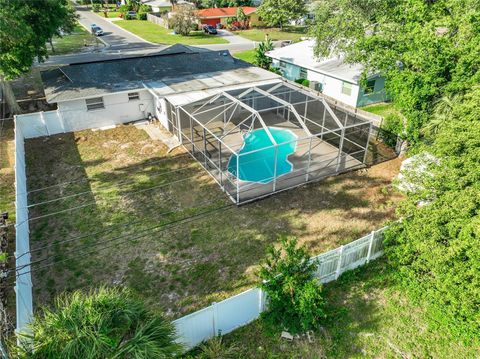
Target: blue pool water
x,y
259,166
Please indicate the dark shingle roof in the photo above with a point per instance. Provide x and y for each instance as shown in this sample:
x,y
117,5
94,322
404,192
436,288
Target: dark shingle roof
x,y
83,80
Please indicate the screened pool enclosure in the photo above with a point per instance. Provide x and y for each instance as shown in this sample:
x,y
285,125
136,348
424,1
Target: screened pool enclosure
x,y
260,140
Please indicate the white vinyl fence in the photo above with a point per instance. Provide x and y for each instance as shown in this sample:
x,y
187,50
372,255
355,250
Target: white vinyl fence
x,y
225,316
29,126
23,284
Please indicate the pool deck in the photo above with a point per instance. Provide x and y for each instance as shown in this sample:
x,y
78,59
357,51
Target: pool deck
x,y
324,159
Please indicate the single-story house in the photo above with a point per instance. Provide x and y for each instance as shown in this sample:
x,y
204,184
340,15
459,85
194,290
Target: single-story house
x,y
164,5
331,76
110,92
214,16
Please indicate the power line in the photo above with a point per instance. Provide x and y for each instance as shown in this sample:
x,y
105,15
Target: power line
x,y
106,187
92,180
146,230
95,202
106,231
160,227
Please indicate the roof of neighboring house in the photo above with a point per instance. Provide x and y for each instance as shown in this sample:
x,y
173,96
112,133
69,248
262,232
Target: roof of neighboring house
x,y
216,12
301,54
176,69
163,3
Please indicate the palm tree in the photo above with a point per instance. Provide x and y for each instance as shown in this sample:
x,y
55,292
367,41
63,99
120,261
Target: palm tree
x,y
261,59
105,323
442,113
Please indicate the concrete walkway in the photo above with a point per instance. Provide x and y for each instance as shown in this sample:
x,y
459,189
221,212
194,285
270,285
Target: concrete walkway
x,y
158,133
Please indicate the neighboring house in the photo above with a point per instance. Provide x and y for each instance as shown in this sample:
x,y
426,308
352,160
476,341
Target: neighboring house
x,y
163,5
110,92
331,76
214,16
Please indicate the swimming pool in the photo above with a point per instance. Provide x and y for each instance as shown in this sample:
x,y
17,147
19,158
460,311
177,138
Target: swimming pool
x,y
259,166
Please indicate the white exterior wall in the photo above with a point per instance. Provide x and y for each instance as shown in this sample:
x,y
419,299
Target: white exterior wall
x,y
118,109
333,87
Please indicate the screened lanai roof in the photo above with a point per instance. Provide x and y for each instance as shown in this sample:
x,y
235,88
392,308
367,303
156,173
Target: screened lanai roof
x,y
242,109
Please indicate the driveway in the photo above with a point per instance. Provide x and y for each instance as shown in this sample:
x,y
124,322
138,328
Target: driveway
x,y
114,36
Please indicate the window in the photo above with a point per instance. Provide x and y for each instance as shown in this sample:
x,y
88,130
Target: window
x,y
370,88
94,103
346,88
283,64
133,96
303,73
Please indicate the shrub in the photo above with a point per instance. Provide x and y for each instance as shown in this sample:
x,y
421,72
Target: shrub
x,y
303,82
96,7
392,127
105,323
295,299
143,10
261,59
183,21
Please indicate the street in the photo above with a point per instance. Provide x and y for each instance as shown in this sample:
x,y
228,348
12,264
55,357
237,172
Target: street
x,y
120,43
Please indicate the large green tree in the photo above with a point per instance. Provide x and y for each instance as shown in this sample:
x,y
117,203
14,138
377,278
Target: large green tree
x,y
281,12
425,49
25,29
105,323
435,249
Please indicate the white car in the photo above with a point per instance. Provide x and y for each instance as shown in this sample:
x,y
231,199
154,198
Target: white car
x,y
96,30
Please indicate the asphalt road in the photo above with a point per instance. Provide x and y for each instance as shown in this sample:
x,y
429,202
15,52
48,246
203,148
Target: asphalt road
x,y
114,36
121,43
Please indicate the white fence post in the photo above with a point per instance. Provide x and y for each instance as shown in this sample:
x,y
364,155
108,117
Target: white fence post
x,y
215,319
370,245
339,264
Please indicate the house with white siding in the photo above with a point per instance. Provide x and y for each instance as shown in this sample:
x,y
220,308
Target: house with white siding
x,y
331,76
110,92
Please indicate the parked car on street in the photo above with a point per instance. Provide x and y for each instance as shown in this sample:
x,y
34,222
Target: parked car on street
x,y
130,15
209,29
96,30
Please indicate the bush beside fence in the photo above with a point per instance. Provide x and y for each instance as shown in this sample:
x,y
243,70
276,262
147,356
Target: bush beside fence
x,y
225,316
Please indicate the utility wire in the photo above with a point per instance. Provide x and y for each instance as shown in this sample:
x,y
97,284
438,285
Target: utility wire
x,y
106,187
93,180
95,202
106,231
145,230
161,227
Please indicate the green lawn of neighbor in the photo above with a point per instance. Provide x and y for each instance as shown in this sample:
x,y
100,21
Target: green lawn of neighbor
x,y
158,34
73,42
368,316
381,109
293,33
247,55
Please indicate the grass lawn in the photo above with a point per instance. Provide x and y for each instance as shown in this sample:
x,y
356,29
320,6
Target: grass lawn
x,y
158,34
186,267
110,14
293,33
73,42
7,171
247,55
368,317
382,109
7,203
